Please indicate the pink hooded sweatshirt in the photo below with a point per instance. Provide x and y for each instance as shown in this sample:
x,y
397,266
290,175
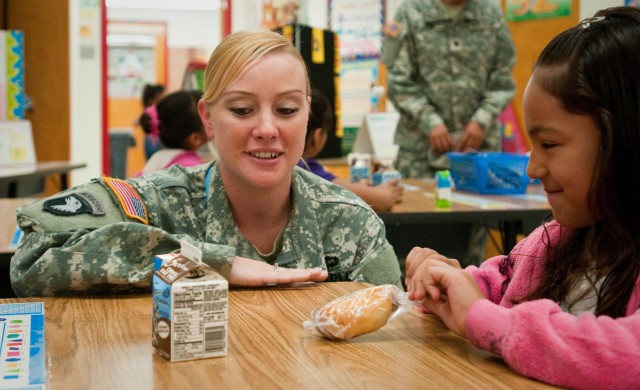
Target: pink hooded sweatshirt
x,y
538,339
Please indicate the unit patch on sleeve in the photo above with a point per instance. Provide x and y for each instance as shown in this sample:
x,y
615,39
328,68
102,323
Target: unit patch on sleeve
x,y
73,204
130,201
392,29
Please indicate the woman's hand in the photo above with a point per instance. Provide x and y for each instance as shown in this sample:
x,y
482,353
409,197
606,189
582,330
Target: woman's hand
x,y
252,273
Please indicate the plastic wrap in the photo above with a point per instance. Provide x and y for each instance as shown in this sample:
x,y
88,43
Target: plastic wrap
x,y
359,313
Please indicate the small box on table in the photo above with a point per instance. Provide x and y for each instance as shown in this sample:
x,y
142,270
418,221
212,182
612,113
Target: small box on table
x,y
190,309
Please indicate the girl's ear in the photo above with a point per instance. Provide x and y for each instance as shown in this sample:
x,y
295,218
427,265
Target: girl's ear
x,y
314,143
194,141
205,116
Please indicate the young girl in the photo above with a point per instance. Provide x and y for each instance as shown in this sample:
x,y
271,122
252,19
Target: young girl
x,y
381,197
563,306
149,118
181,131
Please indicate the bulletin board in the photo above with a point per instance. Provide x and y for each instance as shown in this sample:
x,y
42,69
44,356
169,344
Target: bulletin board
x,y
359,25
16,143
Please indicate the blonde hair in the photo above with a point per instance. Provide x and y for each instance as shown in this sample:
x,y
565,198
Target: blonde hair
x,y
239,51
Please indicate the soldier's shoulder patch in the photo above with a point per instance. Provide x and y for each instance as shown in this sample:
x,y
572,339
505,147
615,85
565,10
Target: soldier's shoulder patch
x,y
129,199
74,204
392,29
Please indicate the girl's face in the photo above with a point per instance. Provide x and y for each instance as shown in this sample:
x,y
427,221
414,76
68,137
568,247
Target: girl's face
x,y
259,123
564,150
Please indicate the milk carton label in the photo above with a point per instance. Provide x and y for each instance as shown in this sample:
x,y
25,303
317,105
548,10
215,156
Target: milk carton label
x,y
190,309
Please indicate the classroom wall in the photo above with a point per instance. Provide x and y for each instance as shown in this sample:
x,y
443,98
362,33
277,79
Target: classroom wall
x,y
47,73
85,88
589,7
191,35
528,49
186,29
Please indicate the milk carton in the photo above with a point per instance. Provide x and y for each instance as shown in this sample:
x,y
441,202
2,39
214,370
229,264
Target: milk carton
x,y
359,167
190,307
383,171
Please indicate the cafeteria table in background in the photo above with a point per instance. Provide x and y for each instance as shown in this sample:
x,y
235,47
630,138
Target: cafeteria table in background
x,y
416,221
19,180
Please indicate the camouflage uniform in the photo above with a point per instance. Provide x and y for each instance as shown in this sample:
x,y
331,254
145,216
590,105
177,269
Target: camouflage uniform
x,y
444,70
97,248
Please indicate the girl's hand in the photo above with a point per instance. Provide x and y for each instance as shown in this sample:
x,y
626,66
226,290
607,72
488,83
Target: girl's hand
x,y
390,194
252,273
450,293
416,258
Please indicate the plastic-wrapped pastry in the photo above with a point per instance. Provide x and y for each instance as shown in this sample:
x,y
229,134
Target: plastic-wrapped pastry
x,y
358,313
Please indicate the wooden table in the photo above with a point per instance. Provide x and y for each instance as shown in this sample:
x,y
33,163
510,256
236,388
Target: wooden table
x,y
506,211
105,343
11,176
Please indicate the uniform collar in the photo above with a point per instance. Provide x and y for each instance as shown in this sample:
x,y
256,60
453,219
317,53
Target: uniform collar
x,y
301,236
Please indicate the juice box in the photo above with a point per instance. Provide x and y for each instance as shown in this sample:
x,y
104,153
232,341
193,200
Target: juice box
x,y
190,308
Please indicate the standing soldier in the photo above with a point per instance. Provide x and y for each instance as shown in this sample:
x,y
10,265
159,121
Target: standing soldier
x,y
450,64
449,75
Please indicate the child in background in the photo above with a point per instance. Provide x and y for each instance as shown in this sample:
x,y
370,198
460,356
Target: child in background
x,y
380,198
151,93
149,118
180,130
564,306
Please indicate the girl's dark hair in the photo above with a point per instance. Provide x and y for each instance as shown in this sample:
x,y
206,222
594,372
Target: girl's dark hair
x,y
320,113
150,94
594,69
179,118
146,121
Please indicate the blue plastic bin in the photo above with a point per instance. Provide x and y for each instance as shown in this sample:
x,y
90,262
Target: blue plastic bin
x,y
492,173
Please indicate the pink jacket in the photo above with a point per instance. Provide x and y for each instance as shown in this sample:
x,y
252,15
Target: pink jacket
x,y
538,339
165,158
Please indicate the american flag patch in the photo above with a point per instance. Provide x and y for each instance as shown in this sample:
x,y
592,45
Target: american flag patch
x,y
392,29
129,199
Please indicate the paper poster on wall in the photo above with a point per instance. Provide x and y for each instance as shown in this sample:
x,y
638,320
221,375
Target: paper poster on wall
x,y
356,80
632,3
518,10
13,100
132,64
16,143
358,23
376,135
